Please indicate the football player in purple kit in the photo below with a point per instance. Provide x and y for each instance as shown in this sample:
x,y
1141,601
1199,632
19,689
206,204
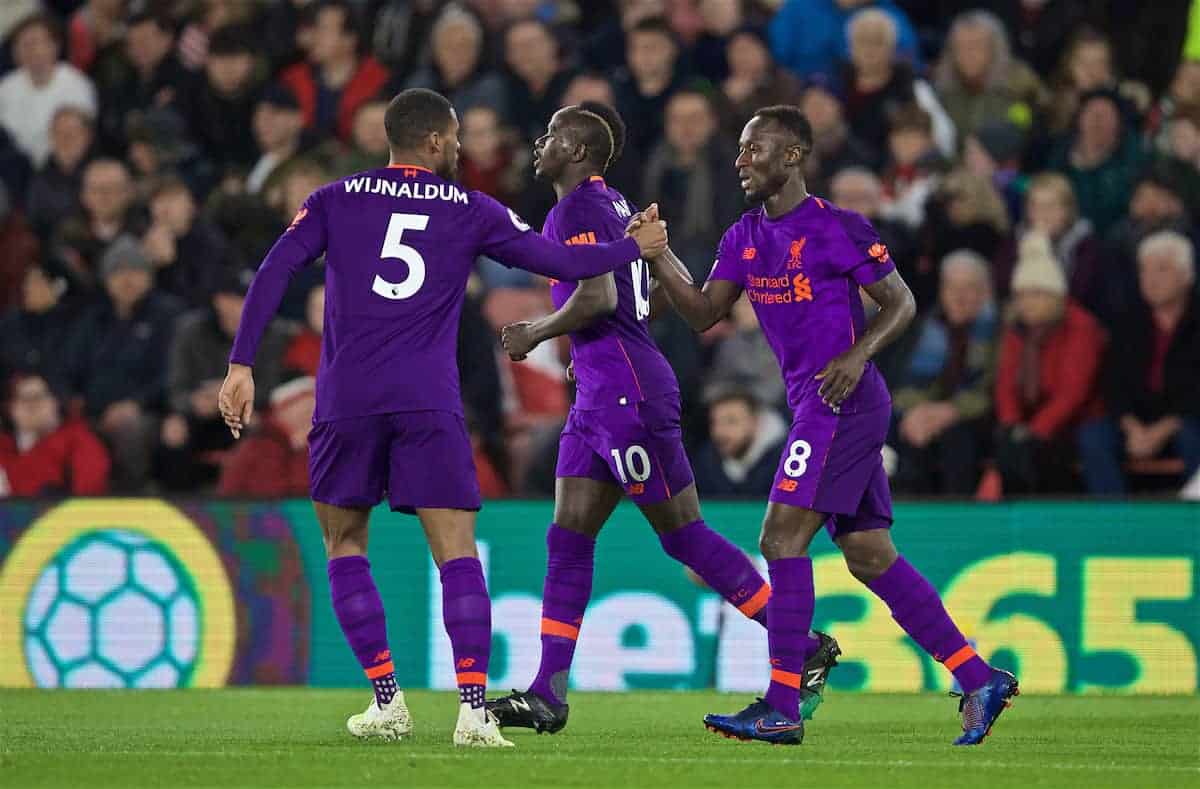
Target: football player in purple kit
x,y
623,432
801,261
399,243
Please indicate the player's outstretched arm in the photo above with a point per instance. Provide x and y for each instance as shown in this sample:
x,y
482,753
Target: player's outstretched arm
x,y
896,310
593,298
700,307
532,252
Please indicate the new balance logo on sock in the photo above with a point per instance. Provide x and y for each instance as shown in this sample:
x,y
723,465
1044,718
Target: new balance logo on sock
x,y
466,662
382,656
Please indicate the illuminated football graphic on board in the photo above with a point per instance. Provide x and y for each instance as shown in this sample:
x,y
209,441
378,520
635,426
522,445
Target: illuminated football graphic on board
x,y
112,609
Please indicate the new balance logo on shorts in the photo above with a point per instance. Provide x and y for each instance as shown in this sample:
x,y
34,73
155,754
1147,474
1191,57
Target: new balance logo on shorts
x,y
787,485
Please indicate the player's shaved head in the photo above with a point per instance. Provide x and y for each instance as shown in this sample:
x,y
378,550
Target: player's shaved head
x,y
600,129
415,114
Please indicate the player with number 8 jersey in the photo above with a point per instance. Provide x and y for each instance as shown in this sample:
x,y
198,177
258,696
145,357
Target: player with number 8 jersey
x,y
399,243
802,262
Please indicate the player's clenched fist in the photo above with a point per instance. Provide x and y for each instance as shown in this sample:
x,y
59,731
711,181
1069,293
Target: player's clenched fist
x,y
518,340
236,399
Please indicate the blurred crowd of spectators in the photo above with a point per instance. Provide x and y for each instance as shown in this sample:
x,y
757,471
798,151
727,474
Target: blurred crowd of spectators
x,y
1033,165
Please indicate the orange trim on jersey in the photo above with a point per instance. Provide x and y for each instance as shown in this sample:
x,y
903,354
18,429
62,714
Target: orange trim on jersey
x,y
789,678
629,361
959,657
552,627
757,602
471,678
383,669
599,178
409,167
819,202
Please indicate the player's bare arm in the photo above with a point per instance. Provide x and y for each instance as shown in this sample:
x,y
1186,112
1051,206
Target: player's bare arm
x,y
593,298
700,307
896,310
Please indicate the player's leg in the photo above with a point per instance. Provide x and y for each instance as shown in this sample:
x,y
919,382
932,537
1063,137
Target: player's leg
x,y
786,534
581,507
467,616
724,567
431,473
673,510
584,497
345,462
871,557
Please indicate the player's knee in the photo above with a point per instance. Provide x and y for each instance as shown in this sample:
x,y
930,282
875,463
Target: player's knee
x,y
866,564
345,539
576,519
779,544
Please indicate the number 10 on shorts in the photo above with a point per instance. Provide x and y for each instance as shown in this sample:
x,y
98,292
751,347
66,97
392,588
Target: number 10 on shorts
x,y
637,461
796,462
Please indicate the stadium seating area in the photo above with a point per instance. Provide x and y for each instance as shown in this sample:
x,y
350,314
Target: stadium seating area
x,y
1033,166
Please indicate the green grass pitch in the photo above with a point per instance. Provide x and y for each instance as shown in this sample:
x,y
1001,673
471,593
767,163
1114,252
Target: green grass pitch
x,y
296,738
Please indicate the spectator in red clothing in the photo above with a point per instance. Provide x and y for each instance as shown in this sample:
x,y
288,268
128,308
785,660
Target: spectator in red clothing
x,y
272,462
304,351
1046,382
335,81
45,455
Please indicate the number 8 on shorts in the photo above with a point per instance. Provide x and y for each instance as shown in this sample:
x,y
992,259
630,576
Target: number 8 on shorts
x,y
796,462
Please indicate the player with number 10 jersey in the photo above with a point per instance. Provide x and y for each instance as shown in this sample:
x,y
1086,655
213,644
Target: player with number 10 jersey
x,y
623,432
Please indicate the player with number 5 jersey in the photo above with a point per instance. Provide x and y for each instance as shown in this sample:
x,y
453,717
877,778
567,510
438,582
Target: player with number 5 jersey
x,y
801,262
623,431
399,243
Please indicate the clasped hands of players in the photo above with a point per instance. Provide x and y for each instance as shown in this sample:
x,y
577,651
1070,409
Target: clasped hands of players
x,y
650,233
838,379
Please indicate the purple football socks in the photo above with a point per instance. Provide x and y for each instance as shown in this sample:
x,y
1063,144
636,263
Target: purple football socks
x,y
918,609
359,611
789,618
565,596
467,613
722,566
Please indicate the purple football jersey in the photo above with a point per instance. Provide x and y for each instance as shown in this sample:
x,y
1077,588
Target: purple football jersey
x,y
801,273
399,244
616,361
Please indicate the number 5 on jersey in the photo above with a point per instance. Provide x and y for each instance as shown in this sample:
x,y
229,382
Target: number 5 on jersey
x,y
394,247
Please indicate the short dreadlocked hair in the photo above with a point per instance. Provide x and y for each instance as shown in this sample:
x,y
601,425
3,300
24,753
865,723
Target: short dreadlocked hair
x,y
600,129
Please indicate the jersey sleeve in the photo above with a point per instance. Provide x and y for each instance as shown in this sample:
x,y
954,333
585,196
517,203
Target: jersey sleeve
x,y
505,237
728,264
857,251
302,242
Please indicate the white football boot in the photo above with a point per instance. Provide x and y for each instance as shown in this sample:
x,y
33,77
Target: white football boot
x,y
389,722
477,728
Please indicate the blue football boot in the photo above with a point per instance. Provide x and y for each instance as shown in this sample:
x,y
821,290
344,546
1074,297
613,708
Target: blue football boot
x,y
759,721
982,707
